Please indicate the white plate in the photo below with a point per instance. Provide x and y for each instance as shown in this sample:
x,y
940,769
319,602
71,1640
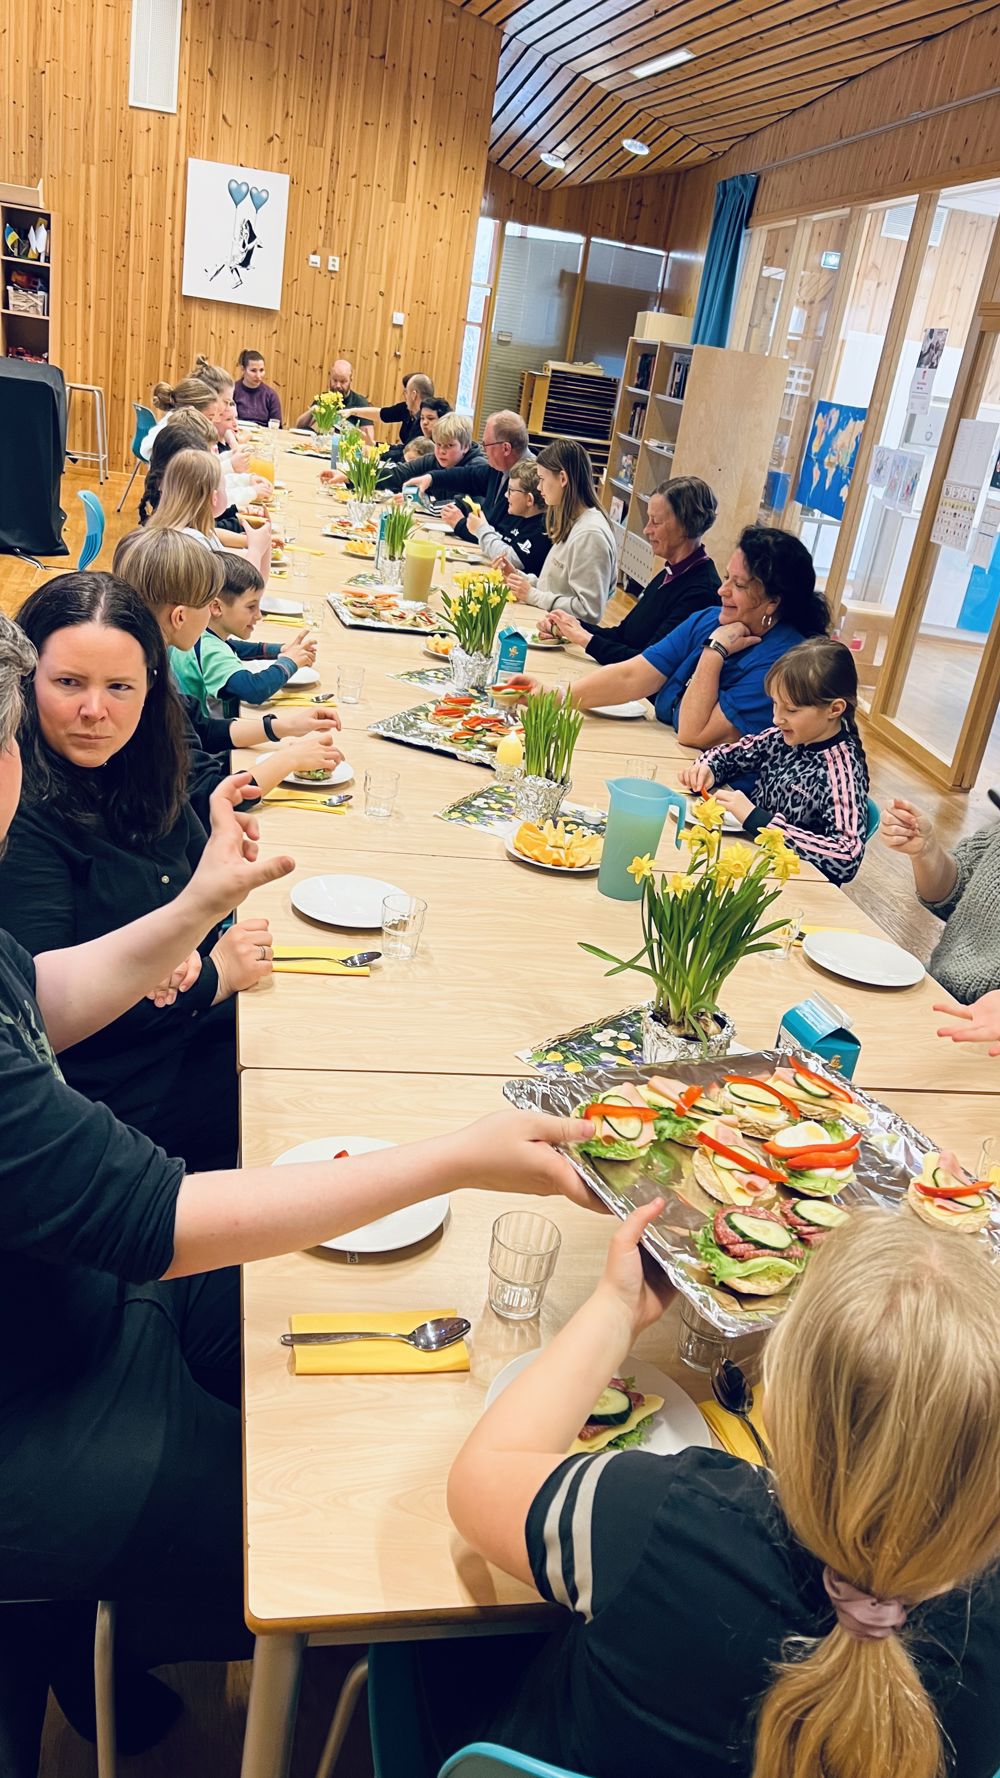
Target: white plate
x,y
341,774
729,821
435,656
304,676
561,870
676,1425
858,958
270,606
537,641
403,1228
623,712
432,525
355,902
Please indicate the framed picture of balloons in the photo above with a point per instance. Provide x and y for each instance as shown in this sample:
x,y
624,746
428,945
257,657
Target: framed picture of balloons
x,y
234,234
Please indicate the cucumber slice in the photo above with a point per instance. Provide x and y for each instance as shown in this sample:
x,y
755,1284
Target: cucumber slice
x,y
624,1128
612,1408
752,1095
705,1108
820,1215
809,1091
976,1203
765,1234
725,1165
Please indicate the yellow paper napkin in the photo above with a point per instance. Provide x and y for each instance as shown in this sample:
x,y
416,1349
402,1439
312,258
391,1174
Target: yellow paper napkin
x,y
377,1358
291,623
305,799
731,1432
306,959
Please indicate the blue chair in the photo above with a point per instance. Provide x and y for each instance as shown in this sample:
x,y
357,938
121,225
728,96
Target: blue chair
x,y
95,528
145,420
484,1760
874,819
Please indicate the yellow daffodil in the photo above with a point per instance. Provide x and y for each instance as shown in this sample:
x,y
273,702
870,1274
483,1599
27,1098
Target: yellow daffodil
x,y
682,882
573,1068
641,868
771,839
706,812
785,864
734,863
494,599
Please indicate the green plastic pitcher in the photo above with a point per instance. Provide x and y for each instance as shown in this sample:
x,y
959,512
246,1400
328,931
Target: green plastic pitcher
x,y
635,822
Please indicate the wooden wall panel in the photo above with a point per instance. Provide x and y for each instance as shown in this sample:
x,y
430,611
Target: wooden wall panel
x,y
379,111
632,210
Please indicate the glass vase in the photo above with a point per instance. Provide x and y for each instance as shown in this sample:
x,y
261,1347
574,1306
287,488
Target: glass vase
x,y
539,799
471,672
361,512
391,571
661,1044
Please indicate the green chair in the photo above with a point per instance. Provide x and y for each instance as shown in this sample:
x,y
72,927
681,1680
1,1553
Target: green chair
x,y
874,820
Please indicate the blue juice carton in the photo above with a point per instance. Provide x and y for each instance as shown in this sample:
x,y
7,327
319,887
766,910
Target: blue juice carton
x,y
817,1025
513,654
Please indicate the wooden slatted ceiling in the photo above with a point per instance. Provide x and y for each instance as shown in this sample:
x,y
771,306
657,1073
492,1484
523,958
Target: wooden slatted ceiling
x,y
565,80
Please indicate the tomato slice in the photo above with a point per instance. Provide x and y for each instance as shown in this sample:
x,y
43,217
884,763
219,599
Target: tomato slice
x,y
746,1080
819,1080
645,1113
747,1162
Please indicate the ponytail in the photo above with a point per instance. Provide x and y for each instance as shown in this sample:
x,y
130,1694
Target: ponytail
x,y
189,392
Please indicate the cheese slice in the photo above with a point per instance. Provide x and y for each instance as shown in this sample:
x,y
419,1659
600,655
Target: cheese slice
x,y
651,1405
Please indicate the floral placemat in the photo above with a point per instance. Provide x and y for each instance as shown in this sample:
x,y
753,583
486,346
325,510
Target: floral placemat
x,y
604,1043
493,809
427,676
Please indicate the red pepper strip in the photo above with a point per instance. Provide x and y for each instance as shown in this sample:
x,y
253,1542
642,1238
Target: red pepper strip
x,y
343,1154
817,1157
976,1187
745,1080
689,1097
747,1162
819,1080
645,1113
848,1147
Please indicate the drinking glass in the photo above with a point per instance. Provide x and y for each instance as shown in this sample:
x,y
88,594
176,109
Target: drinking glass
x,y
786,937
523,1253
350,684
989,1161
300,566
380,794
640,768
402,924
699,1345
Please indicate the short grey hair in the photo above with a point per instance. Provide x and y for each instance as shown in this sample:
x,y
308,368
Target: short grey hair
x,y
692,502
17,660
510,429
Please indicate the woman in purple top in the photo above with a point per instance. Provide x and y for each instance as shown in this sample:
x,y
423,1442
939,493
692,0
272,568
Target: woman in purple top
x,y
255,400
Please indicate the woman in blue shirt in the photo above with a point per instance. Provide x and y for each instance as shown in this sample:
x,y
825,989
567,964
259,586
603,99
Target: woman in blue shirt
x,y
707,676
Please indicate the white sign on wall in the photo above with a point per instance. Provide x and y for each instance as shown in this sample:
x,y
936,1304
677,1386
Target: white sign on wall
x,y
234,234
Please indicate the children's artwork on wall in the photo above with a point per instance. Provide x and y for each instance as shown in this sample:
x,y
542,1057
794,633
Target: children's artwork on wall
x,y
234,234
830,457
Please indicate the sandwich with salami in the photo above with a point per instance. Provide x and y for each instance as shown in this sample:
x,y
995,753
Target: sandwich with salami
x,y
752,1252
621,1417
811,1220
944,1195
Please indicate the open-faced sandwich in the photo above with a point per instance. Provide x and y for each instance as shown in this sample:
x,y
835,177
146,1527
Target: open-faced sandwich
x,y
732,1172
750,1251
811,1221
621,1416
944,1195
683,1111
818,1159
760,1105
815,1094
625,1125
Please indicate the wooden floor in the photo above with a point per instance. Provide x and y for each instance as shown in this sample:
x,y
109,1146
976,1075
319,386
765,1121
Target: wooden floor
x,y
208,1738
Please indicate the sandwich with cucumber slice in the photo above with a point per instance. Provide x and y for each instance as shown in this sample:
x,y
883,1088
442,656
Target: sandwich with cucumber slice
x,y
818,1096
625,1125
732,1172
811,1219
944,1195
761,1106
621,1417
683,1111
817,1160
750,1251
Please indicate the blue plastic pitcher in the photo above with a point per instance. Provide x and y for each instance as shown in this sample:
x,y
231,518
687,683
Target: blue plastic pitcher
x,y
635,822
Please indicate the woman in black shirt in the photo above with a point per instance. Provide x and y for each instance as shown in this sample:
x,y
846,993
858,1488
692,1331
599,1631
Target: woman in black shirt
x,y
678,514
105,833
837,1616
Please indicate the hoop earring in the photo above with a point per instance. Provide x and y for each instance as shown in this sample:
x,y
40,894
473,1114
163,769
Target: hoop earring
x,y
767,620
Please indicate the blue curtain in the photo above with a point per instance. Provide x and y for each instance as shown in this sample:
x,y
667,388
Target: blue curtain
x,y
733,204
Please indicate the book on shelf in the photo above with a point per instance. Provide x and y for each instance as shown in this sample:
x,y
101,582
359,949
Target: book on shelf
x,y
644,370
626,468
616,511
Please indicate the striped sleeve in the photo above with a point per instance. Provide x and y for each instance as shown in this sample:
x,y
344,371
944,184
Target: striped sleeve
x,y
588,1525
741,759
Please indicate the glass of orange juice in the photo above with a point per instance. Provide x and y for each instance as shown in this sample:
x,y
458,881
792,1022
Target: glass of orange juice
x,y
262,461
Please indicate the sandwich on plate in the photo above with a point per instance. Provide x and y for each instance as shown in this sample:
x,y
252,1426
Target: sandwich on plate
x,y
621,1416
732,1172
943,1194
752,1252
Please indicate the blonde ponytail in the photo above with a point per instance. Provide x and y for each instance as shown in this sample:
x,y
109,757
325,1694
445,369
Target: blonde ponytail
x,y
189,392
883,1405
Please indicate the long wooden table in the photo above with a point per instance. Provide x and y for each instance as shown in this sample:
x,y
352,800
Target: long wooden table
x,y
347,1532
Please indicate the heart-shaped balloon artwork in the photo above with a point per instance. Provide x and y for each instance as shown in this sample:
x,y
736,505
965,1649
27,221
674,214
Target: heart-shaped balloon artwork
x,y
238,189
259,198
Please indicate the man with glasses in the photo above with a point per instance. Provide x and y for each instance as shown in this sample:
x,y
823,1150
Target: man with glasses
x,y
504,443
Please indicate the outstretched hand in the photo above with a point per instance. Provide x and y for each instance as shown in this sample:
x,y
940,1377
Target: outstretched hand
x,y
230,866
977,1023
637,1283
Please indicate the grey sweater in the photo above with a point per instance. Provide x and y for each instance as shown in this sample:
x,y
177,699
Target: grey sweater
x,y
966,959
578,575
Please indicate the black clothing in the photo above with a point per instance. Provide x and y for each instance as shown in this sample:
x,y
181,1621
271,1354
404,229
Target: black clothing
x,y
170,1071
32,456
661,606
527,535
394,475
398,414
490,492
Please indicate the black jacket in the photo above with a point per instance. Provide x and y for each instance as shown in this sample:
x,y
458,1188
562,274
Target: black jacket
x,y
660,607
527,536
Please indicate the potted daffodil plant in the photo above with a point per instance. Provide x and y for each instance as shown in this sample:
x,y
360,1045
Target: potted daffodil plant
x,y
326,411
473,615
696,926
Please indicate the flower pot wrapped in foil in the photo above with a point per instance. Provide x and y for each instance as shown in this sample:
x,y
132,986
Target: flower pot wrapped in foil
x,y
540,799
471,672
660,1044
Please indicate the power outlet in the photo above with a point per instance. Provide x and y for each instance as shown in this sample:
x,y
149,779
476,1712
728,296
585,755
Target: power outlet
x,y
333,262
398,318
315,261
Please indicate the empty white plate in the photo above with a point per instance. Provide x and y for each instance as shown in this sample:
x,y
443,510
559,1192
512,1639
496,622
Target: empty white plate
x,y
623,712
676,1425
402,1228
304,676
270,606
355,902
874,961
432,525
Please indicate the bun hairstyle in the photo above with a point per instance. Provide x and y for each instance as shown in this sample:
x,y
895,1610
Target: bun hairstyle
x,y
212,374
785,569
883,1407
189,392
247,356
190,481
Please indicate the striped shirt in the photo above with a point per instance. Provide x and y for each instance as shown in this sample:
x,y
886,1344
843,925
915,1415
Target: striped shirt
x,y
817,794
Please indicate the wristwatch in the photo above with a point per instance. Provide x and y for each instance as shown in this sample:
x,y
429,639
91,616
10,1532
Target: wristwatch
x,y
269,729
717,648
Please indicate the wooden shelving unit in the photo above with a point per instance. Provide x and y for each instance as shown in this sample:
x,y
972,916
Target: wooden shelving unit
x,y
565,401
690,410
21,333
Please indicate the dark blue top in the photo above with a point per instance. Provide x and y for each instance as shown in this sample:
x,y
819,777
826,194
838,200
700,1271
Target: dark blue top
x,y
742,697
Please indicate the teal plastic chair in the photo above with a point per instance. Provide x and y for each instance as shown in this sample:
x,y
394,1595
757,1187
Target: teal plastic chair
x,y
95,528
145,420
874,819
484,1760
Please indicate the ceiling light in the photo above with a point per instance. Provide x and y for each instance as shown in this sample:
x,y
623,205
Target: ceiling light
x,y
634,146
662,63
553,160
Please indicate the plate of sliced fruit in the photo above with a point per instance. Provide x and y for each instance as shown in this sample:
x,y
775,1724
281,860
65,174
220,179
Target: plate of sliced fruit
x,y
556,846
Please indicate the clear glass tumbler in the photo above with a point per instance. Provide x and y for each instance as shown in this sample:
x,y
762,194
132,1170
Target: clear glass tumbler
x,y
350,684
639,768
402,924
699,1345
380,794
989,1161
523,1252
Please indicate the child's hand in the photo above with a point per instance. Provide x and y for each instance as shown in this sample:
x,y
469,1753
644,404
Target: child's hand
x,y
640,1287
420,482
518,584
977,1023
320,720
453,515
239,461
738,805
906,828
301,649
314,753
696,777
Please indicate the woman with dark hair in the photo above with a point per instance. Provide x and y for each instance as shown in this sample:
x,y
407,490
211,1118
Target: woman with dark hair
x,y
706,678
578,574
254,399
103,835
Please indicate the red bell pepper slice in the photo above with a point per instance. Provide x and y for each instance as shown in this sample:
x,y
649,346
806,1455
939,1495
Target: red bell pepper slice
x,y
848,1147
809,1160
820,1080
973,1189
746,1080
645,1113
689,1097
747,1163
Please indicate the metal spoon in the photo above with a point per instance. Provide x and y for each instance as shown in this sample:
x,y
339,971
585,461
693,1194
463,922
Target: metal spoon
x,y
733,1392
359,960
430,1336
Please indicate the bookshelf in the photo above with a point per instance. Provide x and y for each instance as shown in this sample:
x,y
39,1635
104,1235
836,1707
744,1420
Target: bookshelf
x,y
569,401
690,410
29,307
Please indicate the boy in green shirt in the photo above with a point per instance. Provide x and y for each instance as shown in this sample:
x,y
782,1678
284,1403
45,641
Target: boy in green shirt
x,y
210,671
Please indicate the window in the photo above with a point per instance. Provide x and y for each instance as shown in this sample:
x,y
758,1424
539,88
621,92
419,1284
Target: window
x,y
475,315
533,310
619,282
